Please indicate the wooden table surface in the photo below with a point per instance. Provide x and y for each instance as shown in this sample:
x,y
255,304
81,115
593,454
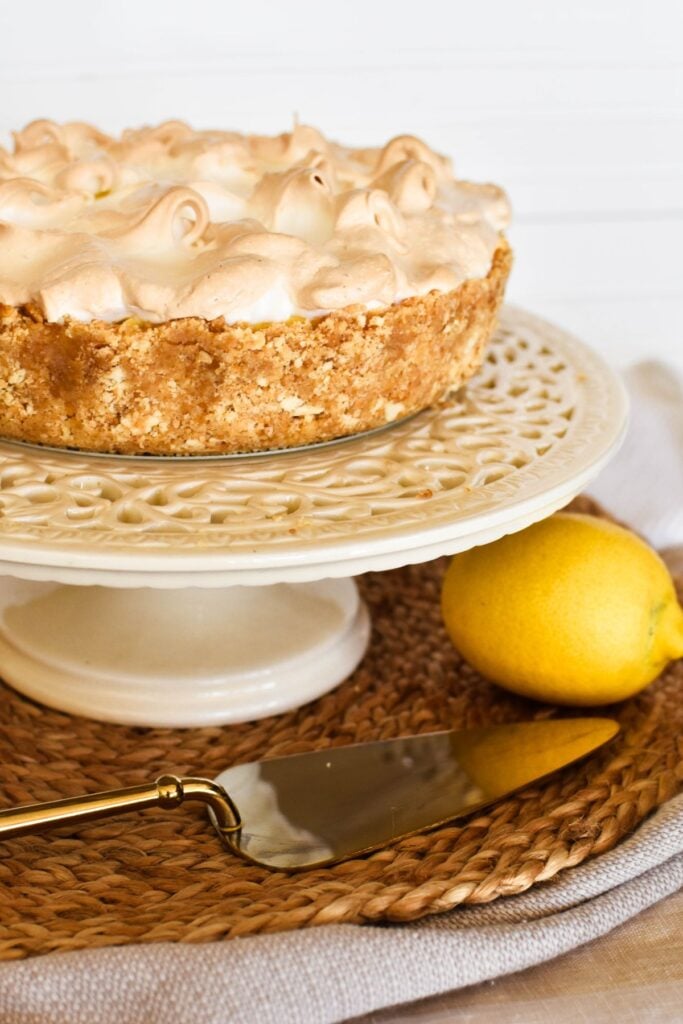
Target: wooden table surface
x,y
633,975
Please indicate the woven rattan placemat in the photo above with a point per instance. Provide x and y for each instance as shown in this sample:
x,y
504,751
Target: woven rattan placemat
x,y
163,875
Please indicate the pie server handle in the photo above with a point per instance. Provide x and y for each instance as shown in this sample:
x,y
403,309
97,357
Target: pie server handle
x,y
168,791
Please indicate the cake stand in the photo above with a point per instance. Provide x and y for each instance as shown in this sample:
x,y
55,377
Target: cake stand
x,y
186,592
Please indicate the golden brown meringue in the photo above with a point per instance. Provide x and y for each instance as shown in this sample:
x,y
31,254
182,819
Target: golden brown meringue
x,y
168,222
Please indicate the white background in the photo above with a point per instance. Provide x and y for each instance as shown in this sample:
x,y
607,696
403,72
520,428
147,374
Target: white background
x,y
575,107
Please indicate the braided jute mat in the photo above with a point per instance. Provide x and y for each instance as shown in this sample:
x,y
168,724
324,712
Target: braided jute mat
x,y
162,875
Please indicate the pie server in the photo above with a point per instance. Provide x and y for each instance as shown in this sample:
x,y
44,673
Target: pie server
x,y
329,805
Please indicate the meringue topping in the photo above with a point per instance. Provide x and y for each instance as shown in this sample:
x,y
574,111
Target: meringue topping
x,y
168,222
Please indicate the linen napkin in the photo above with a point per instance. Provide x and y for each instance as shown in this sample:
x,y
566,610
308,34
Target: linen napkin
x,y
643,485
326,975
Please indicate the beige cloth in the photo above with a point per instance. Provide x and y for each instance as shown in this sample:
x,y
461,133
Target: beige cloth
x,y
633,975
643,485
325,975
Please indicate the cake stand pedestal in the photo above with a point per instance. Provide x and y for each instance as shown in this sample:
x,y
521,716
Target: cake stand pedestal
x,y
187,592
180,657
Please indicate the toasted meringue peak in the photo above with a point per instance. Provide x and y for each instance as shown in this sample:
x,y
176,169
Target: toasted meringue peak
x,y
168,222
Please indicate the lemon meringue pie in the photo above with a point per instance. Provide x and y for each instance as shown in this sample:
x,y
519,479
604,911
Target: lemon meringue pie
x,y
174,291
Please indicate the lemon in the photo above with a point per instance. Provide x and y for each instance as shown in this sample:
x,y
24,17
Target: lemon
x,y
572,610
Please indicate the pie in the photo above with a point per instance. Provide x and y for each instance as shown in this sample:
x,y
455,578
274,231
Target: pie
x,y
173,291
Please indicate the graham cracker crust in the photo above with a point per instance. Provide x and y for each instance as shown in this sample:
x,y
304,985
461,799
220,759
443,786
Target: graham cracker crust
x,y
197,387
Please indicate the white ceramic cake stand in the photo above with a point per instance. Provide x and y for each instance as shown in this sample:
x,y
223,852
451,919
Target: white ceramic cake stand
x,y
179,592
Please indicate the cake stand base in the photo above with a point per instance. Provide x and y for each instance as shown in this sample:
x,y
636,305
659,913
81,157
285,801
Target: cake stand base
x,y
186,657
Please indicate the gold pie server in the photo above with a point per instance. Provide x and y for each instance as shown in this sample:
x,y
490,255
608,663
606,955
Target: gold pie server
x,y
317,808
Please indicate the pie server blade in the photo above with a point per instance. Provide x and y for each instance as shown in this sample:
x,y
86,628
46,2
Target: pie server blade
x,y
317,808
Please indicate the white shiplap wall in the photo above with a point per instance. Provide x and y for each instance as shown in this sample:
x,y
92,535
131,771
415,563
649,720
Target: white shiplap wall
x,y
576,108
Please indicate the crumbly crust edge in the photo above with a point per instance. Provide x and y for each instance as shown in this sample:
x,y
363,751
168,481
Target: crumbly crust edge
x,y
194,386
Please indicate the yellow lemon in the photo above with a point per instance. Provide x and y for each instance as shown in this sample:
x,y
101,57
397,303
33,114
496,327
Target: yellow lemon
x,y
572,610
